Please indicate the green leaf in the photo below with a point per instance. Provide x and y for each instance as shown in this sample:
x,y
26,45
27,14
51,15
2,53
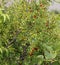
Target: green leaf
x,y
48,48
40,59
1,50
4,17
50,55
7,16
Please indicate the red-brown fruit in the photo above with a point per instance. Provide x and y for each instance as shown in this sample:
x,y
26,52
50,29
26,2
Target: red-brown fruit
x,y
34,16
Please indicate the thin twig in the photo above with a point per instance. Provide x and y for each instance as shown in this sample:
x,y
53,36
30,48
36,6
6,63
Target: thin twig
x,y
14,39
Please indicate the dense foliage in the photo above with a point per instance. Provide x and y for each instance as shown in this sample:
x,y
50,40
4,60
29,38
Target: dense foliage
x,y
29,35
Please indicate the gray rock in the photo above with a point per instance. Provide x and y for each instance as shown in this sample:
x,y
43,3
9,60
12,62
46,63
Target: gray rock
x,y
54,7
